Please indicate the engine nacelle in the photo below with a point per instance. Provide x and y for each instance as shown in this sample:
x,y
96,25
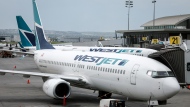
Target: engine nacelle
x,y
57,88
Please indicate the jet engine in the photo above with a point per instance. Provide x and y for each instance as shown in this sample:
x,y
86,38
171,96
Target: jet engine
x,y
57,88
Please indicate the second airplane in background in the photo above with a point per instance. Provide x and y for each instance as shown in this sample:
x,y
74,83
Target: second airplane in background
x,y
28,41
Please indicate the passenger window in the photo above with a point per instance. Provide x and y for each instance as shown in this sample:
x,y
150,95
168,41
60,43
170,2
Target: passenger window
x,y
124,72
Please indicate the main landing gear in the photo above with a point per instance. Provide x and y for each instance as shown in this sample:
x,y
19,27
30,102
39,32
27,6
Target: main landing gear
x,y
104,95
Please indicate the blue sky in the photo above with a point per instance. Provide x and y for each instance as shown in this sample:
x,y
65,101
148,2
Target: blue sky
x,y
88,15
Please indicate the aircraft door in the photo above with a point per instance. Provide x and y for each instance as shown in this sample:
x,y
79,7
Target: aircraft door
x,y
133,74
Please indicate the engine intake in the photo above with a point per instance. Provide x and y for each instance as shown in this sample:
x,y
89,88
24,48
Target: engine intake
x,y
57,88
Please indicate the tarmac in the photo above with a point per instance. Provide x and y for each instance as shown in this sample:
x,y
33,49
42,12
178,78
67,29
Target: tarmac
x,y
15,91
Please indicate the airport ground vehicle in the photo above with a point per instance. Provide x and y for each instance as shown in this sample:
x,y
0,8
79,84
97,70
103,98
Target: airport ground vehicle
x,y
112,103
5,54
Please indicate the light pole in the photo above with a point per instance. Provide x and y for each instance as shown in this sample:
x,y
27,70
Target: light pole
x,y
154,1
129,4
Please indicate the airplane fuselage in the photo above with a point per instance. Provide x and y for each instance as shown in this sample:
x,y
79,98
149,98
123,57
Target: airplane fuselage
x,y
133,51
121,74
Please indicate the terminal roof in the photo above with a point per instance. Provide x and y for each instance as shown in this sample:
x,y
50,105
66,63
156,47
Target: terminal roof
x,y
168,20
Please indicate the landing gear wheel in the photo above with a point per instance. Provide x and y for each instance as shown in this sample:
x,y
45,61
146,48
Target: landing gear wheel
x,y
162,102
104,95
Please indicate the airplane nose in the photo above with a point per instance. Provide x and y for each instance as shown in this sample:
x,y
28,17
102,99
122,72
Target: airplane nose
x,y
170,87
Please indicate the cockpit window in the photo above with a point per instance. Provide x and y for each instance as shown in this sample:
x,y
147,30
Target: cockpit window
x,y
170,73
160,74
154,73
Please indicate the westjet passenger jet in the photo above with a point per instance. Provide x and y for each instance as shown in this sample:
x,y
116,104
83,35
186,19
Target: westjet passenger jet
x,y
27,37
128,75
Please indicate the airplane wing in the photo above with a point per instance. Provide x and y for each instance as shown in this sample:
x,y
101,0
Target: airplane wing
x,y
76,79
18,52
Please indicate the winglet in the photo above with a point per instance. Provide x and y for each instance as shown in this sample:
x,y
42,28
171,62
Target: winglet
x,y
26,35
41,42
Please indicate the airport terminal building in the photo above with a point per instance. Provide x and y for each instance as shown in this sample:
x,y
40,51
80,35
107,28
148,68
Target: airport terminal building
x,y
163,28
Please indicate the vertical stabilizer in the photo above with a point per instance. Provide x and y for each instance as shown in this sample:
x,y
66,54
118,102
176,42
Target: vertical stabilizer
x,y
27,37
22,47
20,44
41,42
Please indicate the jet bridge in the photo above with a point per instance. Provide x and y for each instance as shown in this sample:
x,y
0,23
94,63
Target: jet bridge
x,y
174,58
176,55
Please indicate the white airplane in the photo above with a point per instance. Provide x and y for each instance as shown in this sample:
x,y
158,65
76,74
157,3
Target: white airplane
x,y
129,75
2,45
28,41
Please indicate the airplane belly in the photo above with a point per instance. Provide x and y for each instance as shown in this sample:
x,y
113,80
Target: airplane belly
x,y
140,90
110,83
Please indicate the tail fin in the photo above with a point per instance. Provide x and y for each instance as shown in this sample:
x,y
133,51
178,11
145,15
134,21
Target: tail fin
x,y
41,42
100,44
22,47
26,35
